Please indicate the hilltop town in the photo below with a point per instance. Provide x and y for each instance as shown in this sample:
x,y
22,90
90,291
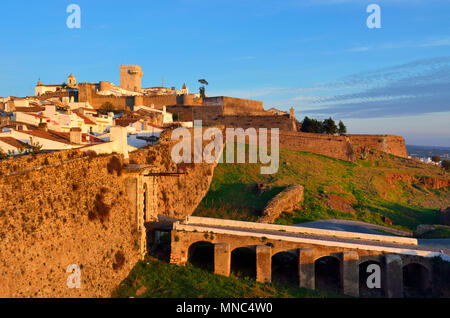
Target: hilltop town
x,y
86,178
75,115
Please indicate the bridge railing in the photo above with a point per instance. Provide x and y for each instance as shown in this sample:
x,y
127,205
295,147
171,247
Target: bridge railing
x,y
298,230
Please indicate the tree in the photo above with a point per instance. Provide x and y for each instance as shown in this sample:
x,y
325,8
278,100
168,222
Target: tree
x,y
436,159
311,125
202,91
446,165
107,107
329,126
342,129
203,88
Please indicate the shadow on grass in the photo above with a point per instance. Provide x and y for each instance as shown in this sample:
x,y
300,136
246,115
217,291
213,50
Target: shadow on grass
x,y
159,279
235,201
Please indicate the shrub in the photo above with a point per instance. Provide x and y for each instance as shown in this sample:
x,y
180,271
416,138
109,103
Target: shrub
x,y
119,260
90,153
92,216
3,155
446,165
107,107
101,209
151,157
436,158
115,165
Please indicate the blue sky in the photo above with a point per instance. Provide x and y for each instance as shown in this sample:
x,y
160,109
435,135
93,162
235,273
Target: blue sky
x,y
317,56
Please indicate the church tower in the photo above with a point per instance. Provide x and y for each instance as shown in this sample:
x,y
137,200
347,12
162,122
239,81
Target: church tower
x,y
71,80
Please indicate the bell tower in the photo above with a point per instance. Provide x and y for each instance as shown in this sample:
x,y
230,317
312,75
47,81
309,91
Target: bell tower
x,y
71,80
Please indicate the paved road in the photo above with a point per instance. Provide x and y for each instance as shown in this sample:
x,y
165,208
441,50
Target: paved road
x,y
352,226
362,227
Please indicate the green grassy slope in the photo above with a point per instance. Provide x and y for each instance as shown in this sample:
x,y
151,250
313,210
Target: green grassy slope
x,y
155,278
232,194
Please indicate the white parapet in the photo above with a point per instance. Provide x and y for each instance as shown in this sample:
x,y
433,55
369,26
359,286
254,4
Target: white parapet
x,y
299,230
118,136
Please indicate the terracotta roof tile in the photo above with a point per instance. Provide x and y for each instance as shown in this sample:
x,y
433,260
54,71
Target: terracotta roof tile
x,y
86,119
14,142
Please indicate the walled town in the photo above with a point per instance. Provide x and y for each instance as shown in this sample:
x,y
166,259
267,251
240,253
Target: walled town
x,y
86,178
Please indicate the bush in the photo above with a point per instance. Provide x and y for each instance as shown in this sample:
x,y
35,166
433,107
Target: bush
x,y
101,209
119,260
446,165
92,216
91,154
107,107
436,158
3,155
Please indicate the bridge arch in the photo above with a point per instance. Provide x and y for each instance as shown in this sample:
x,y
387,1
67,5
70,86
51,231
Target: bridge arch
x,y
327,273
285,267
201,254
243,261
416,280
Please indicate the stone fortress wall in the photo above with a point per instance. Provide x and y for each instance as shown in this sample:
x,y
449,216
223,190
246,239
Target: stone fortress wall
x,y
338,147
391,144
67,208
73,213
236,106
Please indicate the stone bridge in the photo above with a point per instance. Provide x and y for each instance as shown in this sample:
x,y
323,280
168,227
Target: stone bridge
x,y
401,260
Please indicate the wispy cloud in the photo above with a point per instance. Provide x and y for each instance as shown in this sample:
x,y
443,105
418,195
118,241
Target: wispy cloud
x,y
421,86
413,88
435,42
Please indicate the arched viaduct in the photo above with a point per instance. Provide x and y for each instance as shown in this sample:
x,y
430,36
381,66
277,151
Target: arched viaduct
x,y
351,253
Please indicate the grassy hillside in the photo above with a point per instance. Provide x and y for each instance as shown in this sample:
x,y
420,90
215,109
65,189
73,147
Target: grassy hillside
x,y
371,188
154,278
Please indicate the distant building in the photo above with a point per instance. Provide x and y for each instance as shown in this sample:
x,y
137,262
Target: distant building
x,y
50,140
41,89
159,91
183,91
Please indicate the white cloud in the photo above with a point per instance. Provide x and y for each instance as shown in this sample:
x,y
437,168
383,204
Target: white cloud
x,y
432,42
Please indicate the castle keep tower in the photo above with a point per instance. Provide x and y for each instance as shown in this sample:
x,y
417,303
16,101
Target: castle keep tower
x,y
130,77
